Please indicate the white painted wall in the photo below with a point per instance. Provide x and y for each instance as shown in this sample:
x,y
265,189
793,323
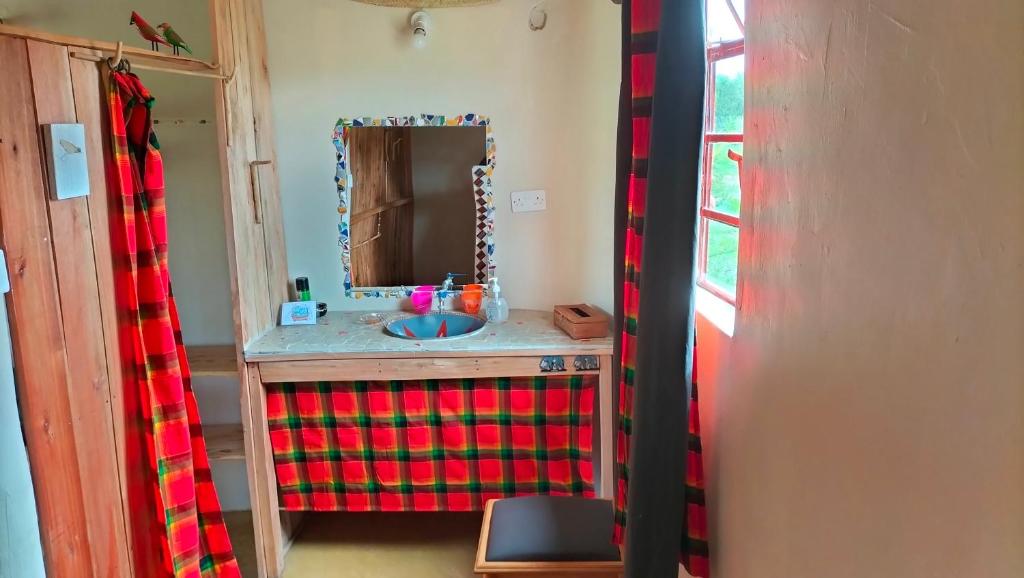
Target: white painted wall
x,y
866,419
21,552
552,97
195,221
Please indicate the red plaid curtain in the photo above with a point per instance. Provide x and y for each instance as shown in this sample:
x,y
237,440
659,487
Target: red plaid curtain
x,y
430,445
694,551
640,38
168,466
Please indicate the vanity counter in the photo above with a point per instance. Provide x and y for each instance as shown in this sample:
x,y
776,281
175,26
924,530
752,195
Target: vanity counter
x,y
340,335
308,388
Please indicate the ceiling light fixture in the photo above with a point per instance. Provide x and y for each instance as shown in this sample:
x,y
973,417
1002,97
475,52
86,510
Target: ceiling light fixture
x,y
420,24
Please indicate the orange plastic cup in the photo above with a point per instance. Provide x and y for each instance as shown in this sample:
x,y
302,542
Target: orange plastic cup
x,y
472,296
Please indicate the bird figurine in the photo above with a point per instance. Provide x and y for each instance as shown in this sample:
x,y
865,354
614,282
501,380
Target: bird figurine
x,y
177,42
69,147
148,32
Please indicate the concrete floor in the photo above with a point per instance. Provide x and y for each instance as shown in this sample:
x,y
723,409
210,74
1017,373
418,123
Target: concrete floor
x,y
240,528
372,545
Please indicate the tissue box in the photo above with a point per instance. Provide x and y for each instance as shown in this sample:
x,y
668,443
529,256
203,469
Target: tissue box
x,y
581,321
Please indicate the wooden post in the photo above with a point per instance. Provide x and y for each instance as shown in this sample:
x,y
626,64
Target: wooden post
x,y
262,478
256,252
607,426
250,435
255,238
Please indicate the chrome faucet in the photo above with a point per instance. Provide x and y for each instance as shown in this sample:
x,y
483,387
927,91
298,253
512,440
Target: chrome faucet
x,y
447,287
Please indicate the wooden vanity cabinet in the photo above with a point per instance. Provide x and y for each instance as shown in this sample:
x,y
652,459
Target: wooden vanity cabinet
x,y
341,349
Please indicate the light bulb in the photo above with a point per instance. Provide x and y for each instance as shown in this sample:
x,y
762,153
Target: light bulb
x,y
419,38
420,24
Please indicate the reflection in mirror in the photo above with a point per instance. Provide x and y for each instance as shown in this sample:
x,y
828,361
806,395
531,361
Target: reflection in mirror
x,y
413,210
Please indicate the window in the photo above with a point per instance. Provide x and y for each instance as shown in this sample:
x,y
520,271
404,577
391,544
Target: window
x,y
723,150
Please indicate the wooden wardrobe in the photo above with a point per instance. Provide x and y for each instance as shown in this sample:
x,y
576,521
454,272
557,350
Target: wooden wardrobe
x,y
61,304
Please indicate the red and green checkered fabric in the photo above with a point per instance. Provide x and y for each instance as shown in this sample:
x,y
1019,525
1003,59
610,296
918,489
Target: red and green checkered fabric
x,y
644,18
178,528
694,552
430,445
642,52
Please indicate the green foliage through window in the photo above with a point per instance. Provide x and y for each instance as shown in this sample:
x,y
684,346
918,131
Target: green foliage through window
x,y
723,249
725,126
725,178
729,95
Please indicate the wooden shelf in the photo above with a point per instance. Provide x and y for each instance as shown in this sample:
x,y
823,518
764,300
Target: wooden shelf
x,y
224,442
212,360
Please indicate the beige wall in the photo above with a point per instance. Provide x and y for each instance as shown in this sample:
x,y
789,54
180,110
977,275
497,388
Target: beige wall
x,y
866,419
551,95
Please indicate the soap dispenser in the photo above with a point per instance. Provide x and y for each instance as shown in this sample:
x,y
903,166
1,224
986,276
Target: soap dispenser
x,y
497,307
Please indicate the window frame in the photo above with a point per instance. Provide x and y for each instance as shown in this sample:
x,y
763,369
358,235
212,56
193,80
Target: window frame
x,y
715,52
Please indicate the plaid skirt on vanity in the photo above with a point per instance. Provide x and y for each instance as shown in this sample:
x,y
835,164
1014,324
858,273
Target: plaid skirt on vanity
x,y
430,445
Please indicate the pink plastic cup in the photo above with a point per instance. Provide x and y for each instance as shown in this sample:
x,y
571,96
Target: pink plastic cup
x,y
421,298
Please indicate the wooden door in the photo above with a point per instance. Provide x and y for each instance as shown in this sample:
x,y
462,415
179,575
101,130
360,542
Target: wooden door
x,y
252,208
62,314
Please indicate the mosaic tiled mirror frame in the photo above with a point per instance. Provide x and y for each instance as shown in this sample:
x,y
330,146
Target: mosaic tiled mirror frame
x,y
483,196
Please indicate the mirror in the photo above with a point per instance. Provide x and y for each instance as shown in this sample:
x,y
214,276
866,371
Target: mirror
x,y
415,202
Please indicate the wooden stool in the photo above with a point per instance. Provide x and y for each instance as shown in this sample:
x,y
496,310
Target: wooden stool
x,y
548,536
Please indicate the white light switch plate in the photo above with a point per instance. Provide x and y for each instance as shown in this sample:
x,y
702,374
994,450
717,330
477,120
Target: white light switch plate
x,y
527,201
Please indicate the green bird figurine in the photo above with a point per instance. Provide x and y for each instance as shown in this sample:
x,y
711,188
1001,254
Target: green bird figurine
x,y
177,42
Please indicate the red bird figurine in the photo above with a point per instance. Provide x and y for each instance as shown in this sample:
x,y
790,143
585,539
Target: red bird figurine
x,y
148,32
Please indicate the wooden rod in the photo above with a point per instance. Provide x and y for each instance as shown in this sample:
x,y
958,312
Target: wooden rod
x,y
172,70
171,62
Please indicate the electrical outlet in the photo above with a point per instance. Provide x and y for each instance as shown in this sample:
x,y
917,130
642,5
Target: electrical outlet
x,y
527,201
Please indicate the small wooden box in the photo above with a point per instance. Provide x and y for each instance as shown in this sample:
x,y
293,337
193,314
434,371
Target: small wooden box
x,y
581,321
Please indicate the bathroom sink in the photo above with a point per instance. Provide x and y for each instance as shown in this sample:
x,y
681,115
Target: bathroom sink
x,y
446,325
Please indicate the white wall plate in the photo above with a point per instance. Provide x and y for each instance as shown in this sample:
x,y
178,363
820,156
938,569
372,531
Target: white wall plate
x,y
528,201
65,155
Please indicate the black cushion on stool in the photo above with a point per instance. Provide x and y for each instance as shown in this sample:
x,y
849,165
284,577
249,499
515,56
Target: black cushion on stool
x,y
551,529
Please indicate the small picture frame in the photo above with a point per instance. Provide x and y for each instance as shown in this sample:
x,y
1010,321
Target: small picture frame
x,y
66,160
298,313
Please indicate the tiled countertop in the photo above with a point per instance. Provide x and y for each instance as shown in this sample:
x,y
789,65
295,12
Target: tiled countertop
x,y
340,335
